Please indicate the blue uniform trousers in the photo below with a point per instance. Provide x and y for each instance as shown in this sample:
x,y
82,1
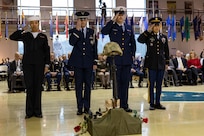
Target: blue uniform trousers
x,y
83,76
48,76
155,76
123,78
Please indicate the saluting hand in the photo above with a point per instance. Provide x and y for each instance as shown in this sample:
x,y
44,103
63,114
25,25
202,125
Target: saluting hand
x,y
150,28
78,25
115,17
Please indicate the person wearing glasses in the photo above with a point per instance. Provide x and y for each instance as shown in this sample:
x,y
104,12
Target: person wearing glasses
x,y
83,59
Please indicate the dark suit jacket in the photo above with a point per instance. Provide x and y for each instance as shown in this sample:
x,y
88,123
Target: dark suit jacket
x,y
184,61
36,50
157,55
12,67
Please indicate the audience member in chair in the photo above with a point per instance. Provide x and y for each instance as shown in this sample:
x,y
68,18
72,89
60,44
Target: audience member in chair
x,y
138,71
103,71
53,71
171,71
16,71
202,61
180,65
67,71
195,66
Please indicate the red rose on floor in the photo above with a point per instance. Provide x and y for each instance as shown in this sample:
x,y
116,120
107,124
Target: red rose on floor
x,y
77,128
145,120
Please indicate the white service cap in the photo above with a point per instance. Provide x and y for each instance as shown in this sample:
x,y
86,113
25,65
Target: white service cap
x,y
34,18
119,9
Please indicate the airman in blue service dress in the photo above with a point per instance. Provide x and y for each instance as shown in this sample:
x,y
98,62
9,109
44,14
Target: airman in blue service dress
x,y
122,34
156,59
83,59
35,58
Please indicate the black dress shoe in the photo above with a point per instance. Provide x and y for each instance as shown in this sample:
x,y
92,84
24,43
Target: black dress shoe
x,y
151,108
79,112
128,110
161,107
39,116
28,116
58,88
87,111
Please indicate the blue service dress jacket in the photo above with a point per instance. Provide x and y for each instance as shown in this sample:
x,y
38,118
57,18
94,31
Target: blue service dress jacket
x,y
126,40
84,53
157,55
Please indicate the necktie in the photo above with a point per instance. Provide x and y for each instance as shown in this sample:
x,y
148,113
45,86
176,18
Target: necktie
x,y
180,65
157,36
82,31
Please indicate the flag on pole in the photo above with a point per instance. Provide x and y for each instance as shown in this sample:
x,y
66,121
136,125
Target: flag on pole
x,y
168,24
200,28
18,21
67,25
87,25
146,22
132,23
97,28
72,20
51,26
173,28
0,28
187,29
23,19
182,23
57,26
6,26
40,26
141,25
20,18
126,20
102,25
195,27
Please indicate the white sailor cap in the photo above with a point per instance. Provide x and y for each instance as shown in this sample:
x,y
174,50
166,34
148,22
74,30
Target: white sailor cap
x,y
33,18
120,10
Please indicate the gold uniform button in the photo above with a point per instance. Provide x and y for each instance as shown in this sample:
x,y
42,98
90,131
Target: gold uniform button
x,y
122,33
157,41
157,52
83,48
157,49
84,43
83,53
123,44
157,45
123,39
122,48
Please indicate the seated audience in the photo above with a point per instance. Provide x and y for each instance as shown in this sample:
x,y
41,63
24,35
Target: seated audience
x,y
171,71
180,65
67,71
15,72
103,71
54,70
195,66
136,70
